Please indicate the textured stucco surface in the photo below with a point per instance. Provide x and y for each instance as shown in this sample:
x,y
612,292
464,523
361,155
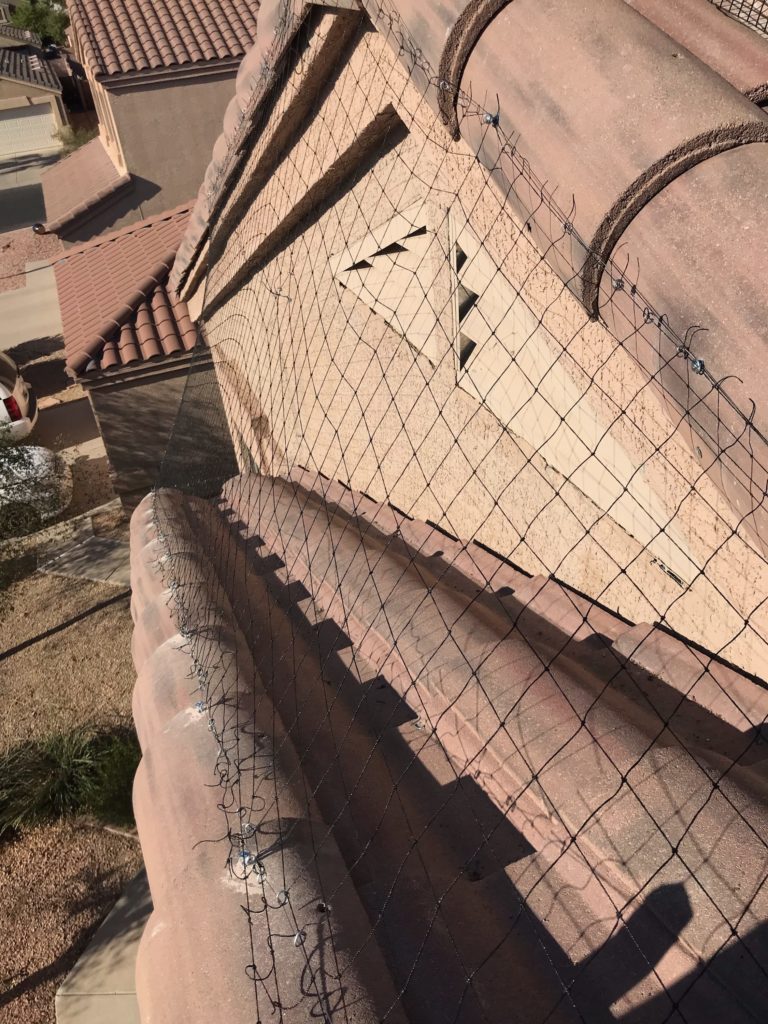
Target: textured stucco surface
x,y
166,133
309,375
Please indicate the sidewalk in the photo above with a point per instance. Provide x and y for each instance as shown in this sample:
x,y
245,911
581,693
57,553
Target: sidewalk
x,y
32,311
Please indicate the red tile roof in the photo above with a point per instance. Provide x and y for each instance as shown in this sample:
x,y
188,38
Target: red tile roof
x,y
128,36
119,280
161,326
79,182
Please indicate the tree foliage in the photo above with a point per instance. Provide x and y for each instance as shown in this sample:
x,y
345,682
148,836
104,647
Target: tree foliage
x,y
45,17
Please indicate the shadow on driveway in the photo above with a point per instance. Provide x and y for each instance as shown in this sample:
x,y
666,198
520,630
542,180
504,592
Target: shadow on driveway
x,y
48,377
21,207
66,425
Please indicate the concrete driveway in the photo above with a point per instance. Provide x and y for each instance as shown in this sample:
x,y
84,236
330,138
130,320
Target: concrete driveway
x,y
21,194
32,311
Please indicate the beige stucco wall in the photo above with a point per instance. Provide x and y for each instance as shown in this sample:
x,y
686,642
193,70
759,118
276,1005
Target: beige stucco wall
x,y
107,127
313,376
167,130
137,446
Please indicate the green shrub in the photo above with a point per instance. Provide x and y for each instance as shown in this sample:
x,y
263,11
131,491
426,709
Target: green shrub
x,y
47,18
85,771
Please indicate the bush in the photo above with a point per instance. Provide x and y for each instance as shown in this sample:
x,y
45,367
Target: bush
x,y
45,17
85,771
73,138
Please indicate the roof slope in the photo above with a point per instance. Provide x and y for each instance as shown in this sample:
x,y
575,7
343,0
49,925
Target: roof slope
x,y
15,35
160,326
79,182
104,284
129,36
27,64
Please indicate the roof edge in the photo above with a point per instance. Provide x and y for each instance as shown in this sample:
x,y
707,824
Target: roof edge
x,y
99,240
155,278
189,69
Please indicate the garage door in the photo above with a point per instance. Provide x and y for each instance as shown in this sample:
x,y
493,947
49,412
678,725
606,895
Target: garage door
x,y
27,130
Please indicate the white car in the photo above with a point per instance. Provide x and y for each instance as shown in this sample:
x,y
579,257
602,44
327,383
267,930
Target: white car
x,y
35,486
18,406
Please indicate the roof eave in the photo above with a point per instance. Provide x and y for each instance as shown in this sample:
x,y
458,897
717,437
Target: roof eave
x,y
55,90
147,76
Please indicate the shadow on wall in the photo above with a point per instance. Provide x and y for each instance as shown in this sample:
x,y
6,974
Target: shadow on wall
x,y
177,409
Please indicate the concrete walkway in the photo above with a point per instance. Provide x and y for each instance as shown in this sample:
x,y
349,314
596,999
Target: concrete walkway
x,y
101,987
92,558
30,312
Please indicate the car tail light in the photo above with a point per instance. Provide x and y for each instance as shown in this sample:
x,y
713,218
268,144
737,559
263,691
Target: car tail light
x,y
13,408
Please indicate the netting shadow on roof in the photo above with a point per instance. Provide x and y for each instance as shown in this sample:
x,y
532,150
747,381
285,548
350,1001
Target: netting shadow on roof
x,y
477,637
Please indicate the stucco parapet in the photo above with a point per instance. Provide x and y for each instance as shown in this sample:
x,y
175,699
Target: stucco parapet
x,y
449,609
199,882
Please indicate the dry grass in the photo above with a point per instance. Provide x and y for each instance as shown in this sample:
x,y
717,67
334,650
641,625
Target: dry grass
x,y
76,675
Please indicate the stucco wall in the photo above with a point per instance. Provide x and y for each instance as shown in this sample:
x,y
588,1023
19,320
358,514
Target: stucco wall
x,y
21,93
140,413
313,376
167,132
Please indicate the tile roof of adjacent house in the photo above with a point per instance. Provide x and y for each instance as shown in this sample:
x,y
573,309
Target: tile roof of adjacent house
x,y
129,36
79,182
27,64
15,35
117,281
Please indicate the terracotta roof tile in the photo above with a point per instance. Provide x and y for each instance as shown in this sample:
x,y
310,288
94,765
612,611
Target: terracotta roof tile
x,y
27,64
116,307
128,36
81,181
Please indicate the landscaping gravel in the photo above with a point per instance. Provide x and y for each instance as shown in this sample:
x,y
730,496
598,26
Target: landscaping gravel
x,y
17,248
58,882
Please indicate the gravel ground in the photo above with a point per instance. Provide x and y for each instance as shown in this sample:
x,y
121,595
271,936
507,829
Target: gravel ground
x,y
76,674
57,883
18,248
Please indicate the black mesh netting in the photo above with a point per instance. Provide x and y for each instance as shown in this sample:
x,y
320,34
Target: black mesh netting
x,y
487,703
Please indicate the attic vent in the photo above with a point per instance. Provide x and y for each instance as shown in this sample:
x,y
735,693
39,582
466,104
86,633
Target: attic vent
x,y
511,364
391,271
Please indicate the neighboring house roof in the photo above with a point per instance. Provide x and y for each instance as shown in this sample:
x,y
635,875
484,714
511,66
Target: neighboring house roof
x,y
27,64
119,280
129,36
73,186
6,10
12,35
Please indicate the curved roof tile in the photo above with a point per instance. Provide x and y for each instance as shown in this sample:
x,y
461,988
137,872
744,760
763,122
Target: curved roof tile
x,y
116,306
684,142
131,36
